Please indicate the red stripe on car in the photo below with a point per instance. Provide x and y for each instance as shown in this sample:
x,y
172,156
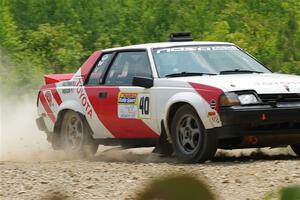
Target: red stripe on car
x,y
209,93
47,107
107,112
55,94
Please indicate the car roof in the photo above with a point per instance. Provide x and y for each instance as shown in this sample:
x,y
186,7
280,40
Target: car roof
x,y
166,45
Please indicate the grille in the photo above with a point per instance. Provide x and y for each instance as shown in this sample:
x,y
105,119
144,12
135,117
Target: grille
x,y
213,104
280,98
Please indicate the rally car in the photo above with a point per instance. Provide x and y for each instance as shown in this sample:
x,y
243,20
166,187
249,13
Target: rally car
x,y
183,97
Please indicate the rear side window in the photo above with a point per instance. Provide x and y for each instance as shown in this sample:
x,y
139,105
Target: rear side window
x,y
96,77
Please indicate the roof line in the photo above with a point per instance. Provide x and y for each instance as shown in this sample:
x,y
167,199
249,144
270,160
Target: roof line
x,y
166,45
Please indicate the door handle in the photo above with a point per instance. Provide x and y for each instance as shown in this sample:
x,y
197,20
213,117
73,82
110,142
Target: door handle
x,y
102,95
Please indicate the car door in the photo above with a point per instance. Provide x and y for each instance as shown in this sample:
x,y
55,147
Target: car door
x,y
123,109
91,88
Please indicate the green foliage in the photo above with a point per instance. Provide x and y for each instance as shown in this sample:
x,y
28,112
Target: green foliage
x,y
176,187
9,37
290,193
54,36
59,50
184,186
285,193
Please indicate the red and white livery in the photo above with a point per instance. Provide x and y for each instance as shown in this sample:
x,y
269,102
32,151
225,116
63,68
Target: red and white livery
x,y
181,96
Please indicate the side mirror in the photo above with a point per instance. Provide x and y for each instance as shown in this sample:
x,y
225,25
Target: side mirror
x,y
142,82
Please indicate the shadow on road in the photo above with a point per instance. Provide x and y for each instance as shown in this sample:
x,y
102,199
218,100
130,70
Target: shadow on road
x,y
145,155
139,155
255,155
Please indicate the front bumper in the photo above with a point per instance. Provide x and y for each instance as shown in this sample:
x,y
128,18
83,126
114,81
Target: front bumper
x,y
239,121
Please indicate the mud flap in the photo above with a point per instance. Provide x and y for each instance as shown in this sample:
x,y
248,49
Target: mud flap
x,y
41,124
163,146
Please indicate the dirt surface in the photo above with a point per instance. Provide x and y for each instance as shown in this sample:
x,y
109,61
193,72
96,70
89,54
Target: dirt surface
x,y
121,174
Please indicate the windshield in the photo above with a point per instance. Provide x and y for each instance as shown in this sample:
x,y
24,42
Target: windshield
x,y
204,60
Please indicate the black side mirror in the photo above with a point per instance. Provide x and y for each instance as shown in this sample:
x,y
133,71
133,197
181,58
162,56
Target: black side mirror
x,y
142,82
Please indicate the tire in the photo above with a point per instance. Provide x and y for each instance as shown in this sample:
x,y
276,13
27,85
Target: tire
x,y
296,149
190,142
75,136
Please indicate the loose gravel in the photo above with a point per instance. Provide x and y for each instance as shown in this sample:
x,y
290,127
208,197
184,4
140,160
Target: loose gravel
x,y
121,174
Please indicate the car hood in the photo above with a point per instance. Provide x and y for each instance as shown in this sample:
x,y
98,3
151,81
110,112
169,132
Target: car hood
x,y
262,83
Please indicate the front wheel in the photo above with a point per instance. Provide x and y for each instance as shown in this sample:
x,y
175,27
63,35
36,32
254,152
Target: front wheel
x,y
76,139
190,141
296,149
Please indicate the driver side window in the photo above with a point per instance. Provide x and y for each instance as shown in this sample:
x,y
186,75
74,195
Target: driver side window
x,y
126,66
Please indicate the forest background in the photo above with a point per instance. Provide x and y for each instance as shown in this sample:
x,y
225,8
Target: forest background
x,y
39,37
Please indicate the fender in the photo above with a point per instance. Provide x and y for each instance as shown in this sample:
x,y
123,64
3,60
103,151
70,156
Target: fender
x,y
66,105
196,101
54,138
71,105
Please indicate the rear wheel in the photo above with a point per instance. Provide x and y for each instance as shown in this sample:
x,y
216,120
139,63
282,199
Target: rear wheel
x,y
296,149
76,139
190,141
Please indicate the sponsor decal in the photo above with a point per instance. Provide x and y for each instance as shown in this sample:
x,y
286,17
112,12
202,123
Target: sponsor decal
x,y
133,105
84,99
127,105
278,83
67,91
215,119
68,83
105,57
127,98
203,48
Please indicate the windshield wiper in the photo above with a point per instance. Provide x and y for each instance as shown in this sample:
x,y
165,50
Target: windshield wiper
x,y
239,71
188,74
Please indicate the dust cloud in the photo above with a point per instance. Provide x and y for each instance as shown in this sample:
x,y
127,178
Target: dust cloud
x,y
20,140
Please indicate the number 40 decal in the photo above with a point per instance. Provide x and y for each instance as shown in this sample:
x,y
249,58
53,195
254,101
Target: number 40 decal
x,y
144,106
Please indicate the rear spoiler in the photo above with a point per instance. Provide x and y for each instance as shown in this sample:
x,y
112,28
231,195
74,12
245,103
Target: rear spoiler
x,y
54,78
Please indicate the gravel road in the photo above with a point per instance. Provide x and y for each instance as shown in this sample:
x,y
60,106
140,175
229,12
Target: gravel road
x,y
120,174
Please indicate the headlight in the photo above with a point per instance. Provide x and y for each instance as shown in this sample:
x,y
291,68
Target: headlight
x,y
229,99
234,99
248,99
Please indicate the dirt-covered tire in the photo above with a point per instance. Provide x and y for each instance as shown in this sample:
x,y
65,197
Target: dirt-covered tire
x,y
296,149
75,136
190,141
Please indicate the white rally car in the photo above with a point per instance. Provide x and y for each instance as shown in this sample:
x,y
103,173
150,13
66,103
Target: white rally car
x,y
182,96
